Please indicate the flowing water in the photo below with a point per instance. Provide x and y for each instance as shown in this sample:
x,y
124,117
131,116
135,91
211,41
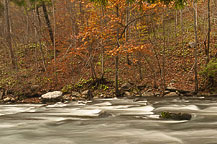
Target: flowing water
x,y
110,121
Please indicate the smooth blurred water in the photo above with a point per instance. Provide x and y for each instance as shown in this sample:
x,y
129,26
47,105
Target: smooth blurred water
x,y
110,121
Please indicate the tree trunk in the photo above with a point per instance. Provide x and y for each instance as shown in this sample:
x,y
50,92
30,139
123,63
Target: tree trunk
x,y
117,93
80,6
38,37
140,65
81,11
73,21
126,31
209,30
139,54
182,28
48,22
195,48
152,70
26,38
102,46
54,40
155,53
93,73
117,58
163,83
176,23
8,34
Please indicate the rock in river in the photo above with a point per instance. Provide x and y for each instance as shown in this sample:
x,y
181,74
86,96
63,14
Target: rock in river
x,y
175,116
54,96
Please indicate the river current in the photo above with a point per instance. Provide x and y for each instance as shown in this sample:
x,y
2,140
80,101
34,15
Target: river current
x,y
110,121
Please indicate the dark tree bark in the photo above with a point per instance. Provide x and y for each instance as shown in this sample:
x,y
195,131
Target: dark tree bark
x,y
117,93
48,21
182,28
38,37
126,31
195,48
209,30
164,52
8,34
93,73
102,45
54,41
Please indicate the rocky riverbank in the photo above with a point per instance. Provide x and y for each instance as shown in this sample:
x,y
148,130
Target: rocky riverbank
x,y
126,90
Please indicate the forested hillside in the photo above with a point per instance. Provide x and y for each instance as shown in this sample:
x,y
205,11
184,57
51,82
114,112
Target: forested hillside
x,y
103,45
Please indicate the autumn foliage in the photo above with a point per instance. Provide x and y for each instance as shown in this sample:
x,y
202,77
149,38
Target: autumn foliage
x,y
147,37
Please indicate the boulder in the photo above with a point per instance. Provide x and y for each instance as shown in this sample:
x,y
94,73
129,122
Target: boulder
x,y
127,94
54,96
73,98
7,99
126,87
157,93
171,94
171,88
75,94
148,94
67,97
166,92
87,94
175,116
13,99
135,92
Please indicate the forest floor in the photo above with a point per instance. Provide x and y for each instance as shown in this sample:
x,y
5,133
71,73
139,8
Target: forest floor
x,y
29,82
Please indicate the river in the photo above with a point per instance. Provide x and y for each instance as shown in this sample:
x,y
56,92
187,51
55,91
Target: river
x,y
110,121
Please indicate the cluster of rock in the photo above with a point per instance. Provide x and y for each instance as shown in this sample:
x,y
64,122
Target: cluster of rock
x,y
6,97
128,90
57,96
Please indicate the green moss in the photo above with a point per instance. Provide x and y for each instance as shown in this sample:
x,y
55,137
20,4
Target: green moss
x,y
209,73
210,70
67,88
165,115
83,82
103,87
175,116
99,63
